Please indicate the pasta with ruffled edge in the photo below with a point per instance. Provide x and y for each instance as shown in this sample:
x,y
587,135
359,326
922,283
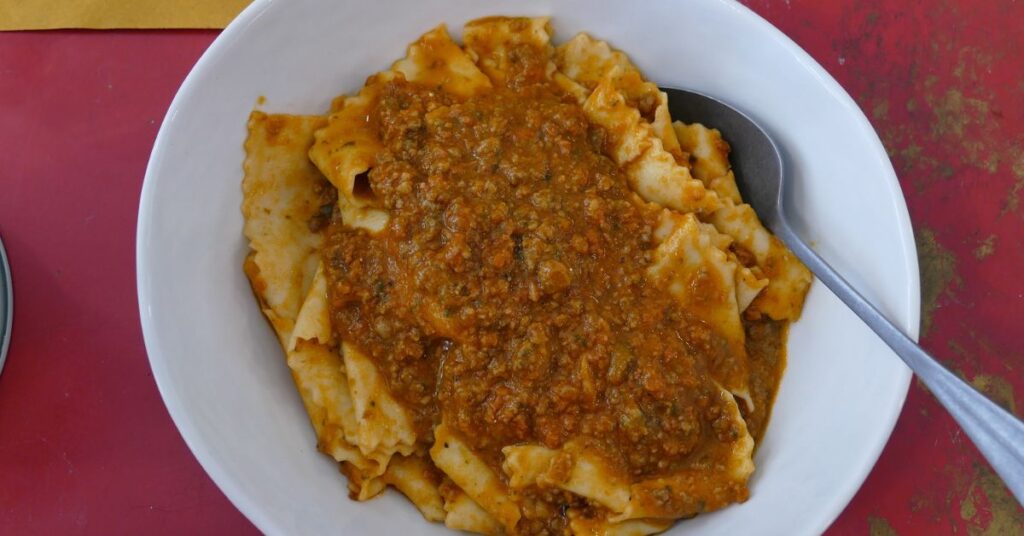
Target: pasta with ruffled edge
x,y
787,278
779,273
643,141
279,190
350,429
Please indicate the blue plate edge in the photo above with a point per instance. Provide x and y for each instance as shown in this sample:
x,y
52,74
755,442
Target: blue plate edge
x,y
6,305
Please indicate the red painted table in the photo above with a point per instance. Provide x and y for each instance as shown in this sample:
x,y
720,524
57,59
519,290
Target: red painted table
x,y
87,447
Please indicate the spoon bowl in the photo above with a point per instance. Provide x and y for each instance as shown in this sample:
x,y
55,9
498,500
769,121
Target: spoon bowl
x,y
760,175
754,153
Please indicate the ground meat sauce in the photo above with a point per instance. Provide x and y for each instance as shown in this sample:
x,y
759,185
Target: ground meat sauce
x,y
508,295
766,352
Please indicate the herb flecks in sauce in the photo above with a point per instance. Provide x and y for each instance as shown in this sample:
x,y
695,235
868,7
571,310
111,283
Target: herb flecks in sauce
x,y
508,294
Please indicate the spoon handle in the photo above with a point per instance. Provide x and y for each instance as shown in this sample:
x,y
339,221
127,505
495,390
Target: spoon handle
x,y
998,434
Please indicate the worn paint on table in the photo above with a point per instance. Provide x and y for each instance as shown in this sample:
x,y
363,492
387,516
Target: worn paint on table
x,y
938,274
879,526
942,83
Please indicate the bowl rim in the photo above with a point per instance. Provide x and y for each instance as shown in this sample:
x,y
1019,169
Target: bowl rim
x,y
243,501
6,305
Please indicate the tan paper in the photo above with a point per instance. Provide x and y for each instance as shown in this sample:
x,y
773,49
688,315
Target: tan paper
x,y
108,14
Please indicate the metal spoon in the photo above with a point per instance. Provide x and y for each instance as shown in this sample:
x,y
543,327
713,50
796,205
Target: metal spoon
x,y
760,175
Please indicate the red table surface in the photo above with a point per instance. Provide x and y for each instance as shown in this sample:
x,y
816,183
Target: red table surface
x,y
86,445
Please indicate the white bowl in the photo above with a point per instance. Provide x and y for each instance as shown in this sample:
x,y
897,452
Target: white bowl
x,y
223,377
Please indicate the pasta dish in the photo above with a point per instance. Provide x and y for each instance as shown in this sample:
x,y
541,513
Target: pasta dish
x,y
509,286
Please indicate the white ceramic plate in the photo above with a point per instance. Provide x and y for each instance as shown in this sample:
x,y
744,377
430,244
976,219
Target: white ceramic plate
x,y
222,374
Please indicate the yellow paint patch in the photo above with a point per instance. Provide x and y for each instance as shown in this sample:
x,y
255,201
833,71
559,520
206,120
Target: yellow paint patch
x,y
986,248
1013,197
880,112
1004,515
879,526
960,117
967,507
997,389
938,271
